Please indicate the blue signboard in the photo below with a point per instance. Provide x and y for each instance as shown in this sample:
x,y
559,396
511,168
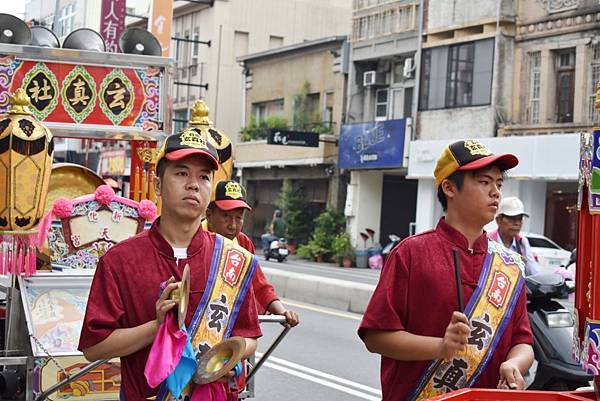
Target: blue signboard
x,y
372,145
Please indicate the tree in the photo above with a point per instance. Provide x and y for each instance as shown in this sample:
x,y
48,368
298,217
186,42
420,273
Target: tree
x,y
295,209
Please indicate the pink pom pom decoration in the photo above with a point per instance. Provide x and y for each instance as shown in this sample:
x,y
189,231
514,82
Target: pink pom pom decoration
x,y
147,210
104,194
62,208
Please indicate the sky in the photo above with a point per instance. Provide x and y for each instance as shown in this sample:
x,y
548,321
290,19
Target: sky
x,y
14,7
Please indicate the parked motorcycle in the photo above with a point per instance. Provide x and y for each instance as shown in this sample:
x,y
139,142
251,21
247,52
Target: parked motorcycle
x,y
394,240
277,250
553,326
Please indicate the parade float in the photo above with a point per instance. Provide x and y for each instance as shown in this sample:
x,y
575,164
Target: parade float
x,y
57,220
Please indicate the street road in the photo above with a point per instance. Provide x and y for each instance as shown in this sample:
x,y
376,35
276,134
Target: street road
x,y
320,359
367,276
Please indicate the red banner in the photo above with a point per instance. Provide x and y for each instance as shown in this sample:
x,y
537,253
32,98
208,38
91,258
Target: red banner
x,y
112,23
85,94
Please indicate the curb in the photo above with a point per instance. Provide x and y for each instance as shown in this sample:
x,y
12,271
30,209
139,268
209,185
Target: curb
x,y
324,291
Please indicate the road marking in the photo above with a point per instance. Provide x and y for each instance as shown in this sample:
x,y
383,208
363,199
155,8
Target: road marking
x,y
313,308
325,379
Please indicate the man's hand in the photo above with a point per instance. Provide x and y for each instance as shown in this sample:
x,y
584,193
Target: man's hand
x,y
164,304
291,318
456,336
510,377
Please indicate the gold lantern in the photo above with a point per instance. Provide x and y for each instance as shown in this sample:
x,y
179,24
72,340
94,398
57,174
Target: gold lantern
x,y
26,150
217,139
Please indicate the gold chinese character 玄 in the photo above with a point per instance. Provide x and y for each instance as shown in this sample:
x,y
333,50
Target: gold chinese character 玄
x,y
118,96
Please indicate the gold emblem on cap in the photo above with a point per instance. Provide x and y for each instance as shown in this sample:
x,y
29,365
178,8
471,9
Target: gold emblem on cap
x,y
233,190
193,139
476,148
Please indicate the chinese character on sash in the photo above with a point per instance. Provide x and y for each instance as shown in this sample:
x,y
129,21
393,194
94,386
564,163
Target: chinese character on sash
x,y
453,376
481,333
499,289
233,266
218,314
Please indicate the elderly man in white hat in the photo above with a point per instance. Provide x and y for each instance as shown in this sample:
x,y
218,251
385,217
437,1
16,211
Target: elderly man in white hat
x,y
509,218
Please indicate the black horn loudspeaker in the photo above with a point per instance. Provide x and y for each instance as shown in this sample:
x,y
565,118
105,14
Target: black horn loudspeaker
x,y
85,39
44,37
14,30
139,41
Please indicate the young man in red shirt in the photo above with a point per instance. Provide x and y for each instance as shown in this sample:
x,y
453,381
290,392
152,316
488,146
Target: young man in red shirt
x,y
124,310
225,216
428,346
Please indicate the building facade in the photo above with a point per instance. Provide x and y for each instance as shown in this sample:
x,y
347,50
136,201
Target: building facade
x,y
300,88
519,75
381,108
236,28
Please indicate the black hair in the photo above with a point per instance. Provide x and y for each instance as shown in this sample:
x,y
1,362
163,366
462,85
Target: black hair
x,y
458,178
161,167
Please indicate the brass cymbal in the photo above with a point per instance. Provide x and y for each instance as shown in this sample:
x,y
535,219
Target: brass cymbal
x,y
182,293
219,360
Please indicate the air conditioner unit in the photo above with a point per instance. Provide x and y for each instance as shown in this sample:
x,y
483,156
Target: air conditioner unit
x,y
409,67
371,78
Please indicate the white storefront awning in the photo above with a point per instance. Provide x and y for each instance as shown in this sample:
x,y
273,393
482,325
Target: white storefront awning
x,y
541,157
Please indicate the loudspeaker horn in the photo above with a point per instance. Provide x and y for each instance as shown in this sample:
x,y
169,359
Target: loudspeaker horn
x,y
44,37
85,39
14,30
140,41
220,359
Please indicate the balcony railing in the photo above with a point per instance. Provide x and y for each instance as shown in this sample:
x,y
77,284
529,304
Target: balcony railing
x,y
382,19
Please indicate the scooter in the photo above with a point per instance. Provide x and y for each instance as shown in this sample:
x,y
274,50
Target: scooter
x,y
394,240
553,326
277,250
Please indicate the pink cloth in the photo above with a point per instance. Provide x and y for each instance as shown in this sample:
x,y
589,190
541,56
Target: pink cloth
x,y
166,351
214,391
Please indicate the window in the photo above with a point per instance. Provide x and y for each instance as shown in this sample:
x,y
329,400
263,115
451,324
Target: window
x,y
195,46
565,84
382,21
263,110
459,83
328,108
381,104
66,19
180,120
240,43
275,41
594,79
533,106
457,76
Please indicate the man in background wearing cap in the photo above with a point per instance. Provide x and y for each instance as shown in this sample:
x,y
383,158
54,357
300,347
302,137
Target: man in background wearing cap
x,y
225,216
428,346
510,221
124,310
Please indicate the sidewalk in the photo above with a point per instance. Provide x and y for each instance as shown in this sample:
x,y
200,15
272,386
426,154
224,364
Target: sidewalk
x,y
342,294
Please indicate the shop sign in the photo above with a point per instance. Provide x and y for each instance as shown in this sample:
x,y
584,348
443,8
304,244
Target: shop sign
x,y
293,138
85,94
372,145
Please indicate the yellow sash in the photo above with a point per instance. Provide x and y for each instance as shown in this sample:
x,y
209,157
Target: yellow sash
x,y
231,272
489,311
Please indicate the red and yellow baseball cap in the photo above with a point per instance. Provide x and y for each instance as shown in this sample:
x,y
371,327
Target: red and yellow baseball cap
x,y
189,141
229,195
469,155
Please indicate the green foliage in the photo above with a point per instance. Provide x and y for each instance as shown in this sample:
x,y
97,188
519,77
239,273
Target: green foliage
x,y
342,247
258,130
294,206
328,226
304,252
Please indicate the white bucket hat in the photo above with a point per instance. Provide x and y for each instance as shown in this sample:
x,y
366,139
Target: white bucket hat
x,y
511,206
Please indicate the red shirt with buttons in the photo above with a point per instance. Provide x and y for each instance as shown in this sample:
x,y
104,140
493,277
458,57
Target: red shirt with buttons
x,y
417,293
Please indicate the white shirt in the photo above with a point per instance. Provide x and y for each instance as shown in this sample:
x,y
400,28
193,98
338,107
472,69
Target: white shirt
x,y
179,253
